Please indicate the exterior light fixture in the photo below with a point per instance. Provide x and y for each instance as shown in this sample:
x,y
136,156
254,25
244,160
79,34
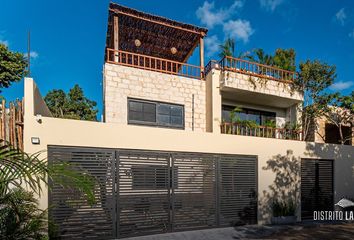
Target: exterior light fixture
x,y
137,42
35,140
39,118
173,50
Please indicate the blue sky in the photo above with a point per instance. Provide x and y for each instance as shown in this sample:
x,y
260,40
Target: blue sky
x,y
68,37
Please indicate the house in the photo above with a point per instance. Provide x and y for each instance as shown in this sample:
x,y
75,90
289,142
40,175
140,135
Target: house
x,y
321,130
183,146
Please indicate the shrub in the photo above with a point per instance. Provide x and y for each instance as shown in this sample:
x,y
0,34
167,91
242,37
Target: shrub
x,y
283,208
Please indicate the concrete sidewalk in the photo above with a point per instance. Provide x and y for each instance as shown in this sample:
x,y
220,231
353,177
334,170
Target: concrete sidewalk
x,y
303,231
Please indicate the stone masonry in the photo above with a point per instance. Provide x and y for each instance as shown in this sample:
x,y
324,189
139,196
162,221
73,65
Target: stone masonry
x,y
254,84
121,83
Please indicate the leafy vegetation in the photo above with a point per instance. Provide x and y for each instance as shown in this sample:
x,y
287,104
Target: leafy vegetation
x,y
314,78
228,48
12,66
20,217
283,208
73,105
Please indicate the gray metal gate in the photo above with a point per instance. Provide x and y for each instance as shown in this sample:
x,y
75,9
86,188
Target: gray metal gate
x,y
72,214
317,190
146,192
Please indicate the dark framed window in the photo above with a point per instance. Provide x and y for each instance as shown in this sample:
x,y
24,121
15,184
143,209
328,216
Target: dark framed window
x,y
155,113
154,177
259,117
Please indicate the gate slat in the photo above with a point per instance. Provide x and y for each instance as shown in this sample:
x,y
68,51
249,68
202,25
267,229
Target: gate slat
x,y
73,216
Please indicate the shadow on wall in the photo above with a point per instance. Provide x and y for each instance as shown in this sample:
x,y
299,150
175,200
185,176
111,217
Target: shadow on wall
x,y
286,185
343,156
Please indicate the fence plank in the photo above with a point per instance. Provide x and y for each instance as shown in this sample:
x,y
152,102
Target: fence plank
x,y
11,123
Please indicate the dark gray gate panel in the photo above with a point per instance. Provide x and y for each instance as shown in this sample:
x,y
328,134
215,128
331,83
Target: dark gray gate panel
x,y
194,191
316,187
238,190
144,192
73,216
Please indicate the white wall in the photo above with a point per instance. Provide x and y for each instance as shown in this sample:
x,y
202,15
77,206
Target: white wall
x,y
53,131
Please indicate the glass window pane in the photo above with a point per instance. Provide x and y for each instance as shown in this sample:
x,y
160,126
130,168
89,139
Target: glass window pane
x,y
149,117
176,120
149,108
164,109
226,115
142,111
176,111
135,106
137,116
164,119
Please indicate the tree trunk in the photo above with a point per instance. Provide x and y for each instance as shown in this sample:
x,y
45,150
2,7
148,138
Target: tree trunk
x,y
342,140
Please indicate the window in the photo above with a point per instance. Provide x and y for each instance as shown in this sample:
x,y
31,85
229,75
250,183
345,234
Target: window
x,y
153,177
155,113
259,117
332,134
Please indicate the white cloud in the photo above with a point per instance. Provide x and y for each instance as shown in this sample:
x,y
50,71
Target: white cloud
x,y
341,85
270,5
209,15
6,43
351,34
341,16
212,45
2,39
33,54
239,29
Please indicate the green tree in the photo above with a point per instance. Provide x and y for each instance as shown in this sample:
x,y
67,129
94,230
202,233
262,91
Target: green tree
x,y
227,48
258,55
73,105
12,66
339,111
285,59
313,78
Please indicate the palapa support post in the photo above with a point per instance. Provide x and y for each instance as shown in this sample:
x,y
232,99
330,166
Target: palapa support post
x,y
116,38
201,55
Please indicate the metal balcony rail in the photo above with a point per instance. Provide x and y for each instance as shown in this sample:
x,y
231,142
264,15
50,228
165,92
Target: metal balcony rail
x,y
256,69
153,64
261,131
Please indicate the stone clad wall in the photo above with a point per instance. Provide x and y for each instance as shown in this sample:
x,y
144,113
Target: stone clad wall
x,y
254,84
121,82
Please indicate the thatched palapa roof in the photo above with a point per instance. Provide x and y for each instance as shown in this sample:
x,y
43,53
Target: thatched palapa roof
x,y
156,34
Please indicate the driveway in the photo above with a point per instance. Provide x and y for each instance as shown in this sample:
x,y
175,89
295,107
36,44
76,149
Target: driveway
x,y
299,231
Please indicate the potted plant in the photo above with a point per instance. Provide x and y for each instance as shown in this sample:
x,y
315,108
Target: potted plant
x,y
283,212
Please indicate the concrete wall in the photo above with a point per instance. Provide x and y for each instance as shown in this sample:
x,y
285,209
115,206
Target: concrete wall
x,y
285,153
121,82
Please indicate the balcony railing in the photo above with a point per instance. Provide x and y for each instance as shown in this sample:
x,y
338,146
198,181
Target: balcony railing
x,y
153,64
256,69
261,131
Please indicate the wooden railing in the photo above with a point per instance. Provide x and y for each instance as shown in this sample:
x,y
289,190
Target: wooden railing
x,y
153,63
11,124
261,131
256,69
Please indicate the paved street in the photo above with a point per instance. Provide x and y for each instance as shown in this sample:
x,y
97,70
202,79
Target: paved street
x,y
299,231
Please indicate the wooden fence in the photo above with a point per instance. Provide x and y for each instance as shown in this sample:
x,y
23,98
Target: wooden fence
x,y
11,123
